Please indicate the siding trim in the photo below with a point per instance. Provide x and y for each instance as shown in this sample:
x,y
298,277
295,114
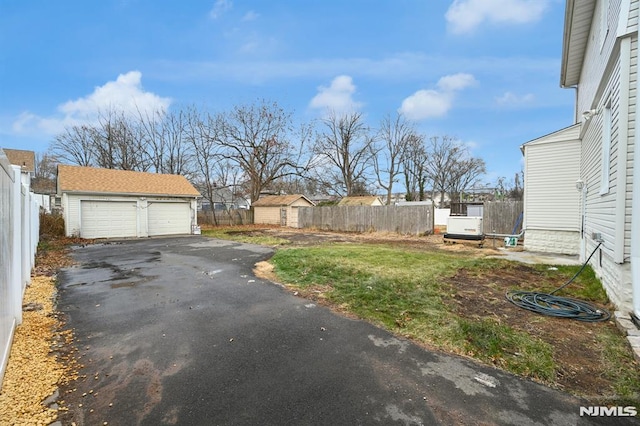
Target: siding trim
x,y
623,148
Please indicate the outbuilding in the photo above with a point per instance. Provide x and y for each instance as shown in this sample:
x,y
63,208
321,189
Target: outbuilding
x,y
279,209
106,203
361,200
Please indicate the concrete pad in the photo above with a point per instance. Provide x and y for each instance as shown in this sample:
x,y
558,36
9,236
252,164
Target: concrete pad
x,y
537,257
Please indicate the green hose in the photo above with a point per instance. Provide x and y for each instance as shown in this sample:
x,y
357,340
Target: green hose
x,y
558,306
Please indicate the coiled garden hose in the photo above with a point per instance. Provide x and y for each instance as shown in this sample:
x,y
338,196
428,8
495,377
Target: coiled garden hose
x,y
558,306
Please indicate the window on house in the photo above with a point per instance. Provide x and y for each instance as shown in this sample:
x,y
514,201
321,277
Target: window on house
x,y
606,149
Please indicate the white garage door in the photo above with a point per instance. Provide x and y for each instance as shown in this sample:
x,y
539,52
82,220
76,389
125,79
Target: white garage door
x,y
169,218
108,219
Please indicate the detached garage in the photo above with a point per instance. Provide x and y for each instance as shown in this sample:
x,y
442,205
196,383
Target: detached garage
x,y
105,203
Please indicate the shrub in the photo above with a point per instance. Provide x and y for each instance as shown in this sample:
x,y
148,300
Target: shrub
x,y
51,225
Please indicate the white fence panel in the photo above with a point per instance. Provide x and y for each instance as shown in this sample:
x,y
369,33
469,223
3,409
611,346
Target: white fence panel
x,y
19,235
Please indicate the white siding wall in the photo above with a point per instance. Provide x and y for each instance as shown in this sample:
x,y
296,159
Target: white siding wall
x,y
609,79
632,24
551,171
597,57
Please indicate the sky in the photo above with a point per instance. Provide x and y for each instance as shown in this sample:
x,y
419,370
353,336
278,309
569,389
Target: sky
x,y
486,72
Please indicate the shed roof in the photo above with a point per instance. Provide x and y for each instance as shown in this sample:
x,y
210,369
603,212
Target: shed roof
x,y
20,157
364,200
80,179
280,200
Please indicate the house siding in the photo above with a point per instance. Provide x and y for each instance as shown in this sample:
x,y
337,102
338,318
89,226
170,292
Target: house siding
x,y
596,58
632,23
551,172
609,78
551,201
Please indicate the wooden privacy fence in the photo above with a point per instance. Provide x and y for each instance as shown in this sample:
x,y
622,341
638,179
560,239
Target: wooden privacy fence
x,y
226,217
416,220
501,217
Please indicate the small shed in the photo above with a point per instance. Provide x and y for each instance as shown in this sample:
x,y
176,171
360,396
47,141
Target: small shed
x,y
552,192
106,203
364,200
279,209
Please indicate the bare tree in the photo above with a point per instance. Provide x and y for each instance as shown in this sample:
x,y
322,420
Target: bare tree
x,y
167,148
511,190
344,154
75,145
121,143
258,138
202,132
395,135
451,168
465,174
44,179
414,164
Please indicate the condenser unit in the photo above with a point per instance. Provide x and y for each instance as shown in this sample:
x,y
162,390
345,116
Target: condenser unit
x,y
464,228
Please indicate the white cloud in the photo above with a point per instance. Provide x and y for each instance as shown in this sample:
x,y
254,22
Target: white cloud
x,y
220,7
338,97
250,16
125,95
464,16
512,99
432,103
454,82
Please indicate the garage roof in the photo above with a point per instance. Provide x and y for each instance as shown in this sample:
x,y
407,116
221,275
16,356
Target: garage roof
x,y
94,180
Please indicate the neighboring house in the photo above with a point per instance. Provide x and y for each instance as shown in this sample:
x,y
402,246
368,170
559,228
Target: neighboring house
x,y
106,203
364,200
599,61
279,209
224,199
25,159
551,200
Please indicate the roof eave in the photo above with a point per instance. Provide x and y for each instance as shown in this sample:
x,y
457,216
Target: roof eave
x,y
126,194
575,38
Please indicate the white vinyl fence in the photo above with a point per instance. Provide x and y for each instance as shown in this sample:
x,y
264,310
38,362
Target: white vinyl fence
x,y
19,235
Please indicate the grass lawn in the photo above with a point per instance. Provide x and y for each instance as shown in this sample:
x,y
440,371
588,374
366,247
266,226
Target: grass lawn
x,y
454,301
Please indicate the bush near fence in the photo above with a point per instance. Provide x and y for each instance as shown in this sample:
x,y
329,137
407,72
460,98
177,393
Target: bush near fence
x,y
417,220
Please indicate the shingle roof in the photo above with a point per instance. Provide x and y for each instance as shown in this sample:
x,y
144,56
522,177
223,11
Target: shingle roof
x,y
364,200
22,158
278,200
94,180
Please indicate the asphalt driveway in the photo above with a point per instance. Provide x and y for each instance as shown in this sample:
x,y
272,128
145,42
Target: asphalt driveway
x,y
179,331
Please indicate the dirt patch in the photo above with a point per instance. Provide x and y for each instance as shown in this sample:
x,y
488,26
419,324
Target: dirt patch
x,y
577,351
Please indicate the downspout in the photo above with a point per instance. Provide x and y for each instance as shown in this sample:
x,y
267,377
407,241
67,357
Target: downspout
x,y
635,215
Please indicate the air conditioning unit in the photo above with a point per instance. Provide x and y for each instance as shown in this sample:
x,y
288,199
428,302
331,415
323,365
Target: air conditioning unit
x,y
464,228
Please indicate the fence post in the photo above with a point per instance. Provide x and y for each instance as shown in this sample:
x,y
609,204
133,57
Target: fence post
x,y
16,247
